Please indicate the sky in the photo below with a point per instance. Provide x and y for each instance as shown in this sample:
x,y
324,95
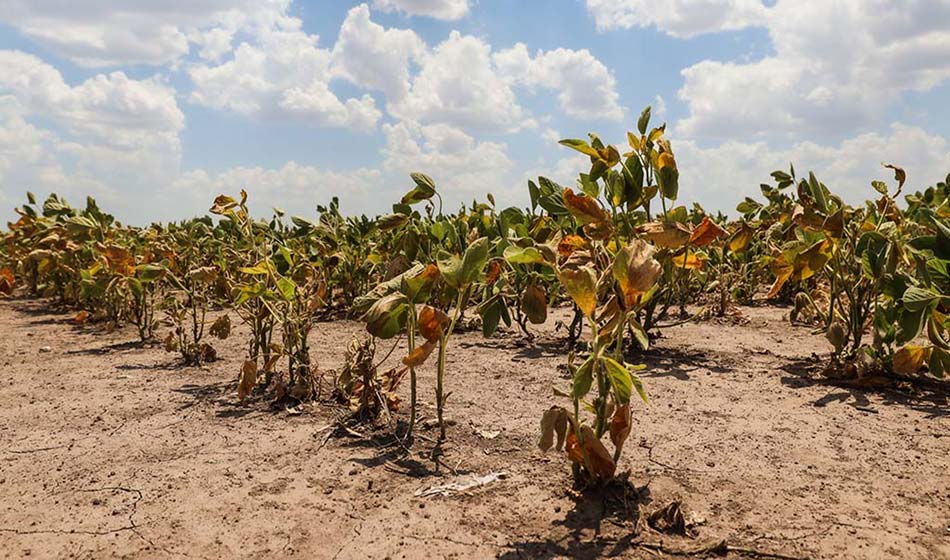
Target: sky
x,y
154,107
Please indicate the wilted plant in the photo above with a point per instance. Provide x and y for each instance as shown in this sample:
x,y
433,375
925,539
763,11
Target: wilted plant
x,y
609,284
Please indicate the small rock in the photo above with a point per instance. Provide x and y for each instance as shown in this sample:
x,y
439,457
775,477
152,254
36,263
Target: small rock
x,y
45,349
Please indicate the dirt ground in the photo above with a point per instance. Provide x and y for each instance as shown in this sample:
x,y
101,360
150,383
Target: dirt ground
x,y
110,449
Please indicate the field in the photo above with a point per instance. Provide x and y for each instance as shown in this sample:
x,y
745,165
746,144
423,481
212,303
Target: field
x,y
112,449
606,372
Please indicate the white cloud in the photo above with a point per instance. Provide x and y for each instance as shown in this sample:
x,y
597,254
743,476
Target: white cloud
x,y
282,74
837,67
461,166
110,136
586,88
373,57
679,18
458,84
154,32
295,188
439,9
719,177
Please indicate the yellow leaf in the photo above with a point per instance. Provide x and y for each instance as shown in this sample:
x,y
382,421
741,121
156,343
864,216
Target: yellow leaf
x,y
909,359
636,270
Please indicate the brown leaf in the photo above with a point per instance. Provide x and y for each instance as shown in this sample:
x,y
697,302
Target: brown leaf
x,y
248,379
620,426
420,354
601,464
81,317
492,272
432,323
221,328
170,343
571,243
899,174
705,233
585,209
671,236
636,270
554,422
7,281
534,303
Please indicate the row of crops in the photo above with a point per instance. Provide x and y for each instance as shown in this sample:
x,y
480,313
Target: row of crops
x,y
616,247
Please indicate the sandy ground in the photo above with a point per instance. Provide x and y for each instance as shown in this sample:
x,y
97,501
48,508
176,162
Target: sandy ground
x,y
110,449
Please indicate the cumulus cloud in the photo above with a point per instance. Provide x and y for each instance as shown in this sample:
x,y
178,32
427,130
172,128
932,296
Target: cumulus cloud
x,y
679,18
722,175
153,32
106,134
457,83
283,73
439,9
836,67
586,88
373,57
461,166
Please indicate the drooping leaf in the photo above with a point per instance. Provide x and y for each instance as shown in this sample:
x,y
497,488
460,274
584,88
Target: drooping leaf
x,y
248,379
668,235
620,425
635,271
585,209
554,422
705,233
534,304
909,359
432,323
581,284
387,317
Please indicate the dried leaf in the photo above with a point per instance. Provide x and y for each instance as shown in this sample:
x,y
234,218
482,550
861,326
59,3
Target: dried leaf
x,y
601,464
671,236
419,354
909,359
571,243
586,210
221,328
432,323
636,271
248,379
620,425
534,304
554,422
705,233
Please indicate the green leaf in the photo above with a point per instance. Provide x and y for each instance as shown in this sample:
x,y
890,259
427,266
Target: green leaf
x,y
581,146
583,379
639,333
523,255
473,261
424,189
817,192
149,272
644,121
620,380
287,288
387,317
916,299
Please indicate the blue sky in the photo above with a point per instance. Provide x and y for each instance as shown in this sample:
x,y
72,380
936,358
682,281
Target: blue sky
x,y
156,106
